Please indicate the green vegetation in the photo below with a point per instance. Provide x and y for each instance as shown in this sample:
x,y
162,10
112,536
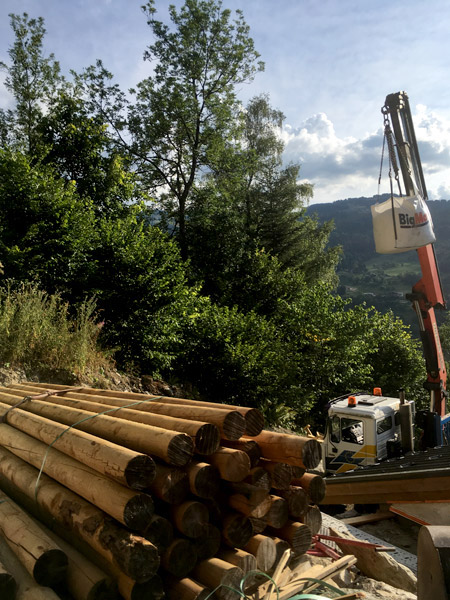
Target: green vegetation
x,y
37,330
172,208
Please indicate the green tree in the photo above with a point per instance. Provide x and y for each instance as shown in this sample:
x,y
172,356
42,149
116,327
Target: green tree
x,y
140,282
45,228
33,80
247,223
184,114
77,144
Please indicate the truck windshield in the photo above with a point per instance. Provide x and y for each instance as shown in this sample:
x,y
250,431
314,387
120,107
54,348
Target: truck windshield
x,y
352,431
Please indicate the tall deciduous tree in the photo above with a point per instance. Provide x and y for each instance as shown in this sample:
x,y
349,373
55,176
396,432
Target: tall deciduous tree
x,y
184,113
76,143
31,78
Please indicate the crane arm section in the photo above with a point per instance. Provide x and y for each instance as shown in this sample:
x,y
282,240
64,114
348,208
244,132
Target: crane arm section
x,y
427,294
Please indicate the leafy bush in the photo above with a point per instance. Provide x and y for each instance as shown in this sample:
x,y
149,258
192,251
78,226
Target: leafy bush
x,y
36,330
237,357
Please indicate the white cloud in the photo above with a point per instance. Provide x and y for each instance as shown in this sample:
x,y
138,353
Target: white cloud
x,y
348,167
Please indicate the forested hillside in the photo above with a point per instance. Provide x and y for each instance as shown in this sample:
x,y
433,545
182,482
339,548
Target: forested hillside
x,y
165,217
381,279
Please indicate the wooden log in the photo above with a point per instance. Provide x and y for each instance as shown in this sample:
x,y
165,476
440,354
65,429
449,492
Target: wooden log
x,y
8,585
38,553
259,477
125,466
170,485
230,422
239,558
297,500
290,449
297,472
84,580
75,517
281,547
26,587
186,589
208,543
254,503
159,532
214,572
204,479
236,530
132,509
206,436
313,518
297,534
315,486
180,557
254,420
152,589
233,465
250,447
190,517
258,525
172,447
263,549
279,513
280,473
433,564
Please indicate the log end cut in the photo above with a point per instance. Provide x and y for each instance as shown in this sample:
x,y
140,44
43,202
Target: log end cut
x,y
233,425
138,512
140,472
50,568
207,439
180,450
312,454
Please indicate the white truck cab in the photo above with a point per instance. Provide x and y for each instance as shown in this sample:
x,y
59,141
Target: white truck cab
x,y
358,430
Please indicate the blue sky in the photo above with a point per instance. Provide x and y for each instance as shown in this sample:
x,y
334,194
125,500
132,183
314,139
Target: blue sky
x,y
329,65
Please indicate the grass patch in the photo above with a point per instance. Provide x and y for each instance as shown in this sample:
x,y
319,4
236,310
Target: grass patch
x,y
37,329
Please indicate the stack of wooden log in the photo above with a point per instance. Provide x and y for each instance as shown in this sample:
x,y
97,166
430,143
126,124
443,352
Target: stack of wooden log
x,y
149,495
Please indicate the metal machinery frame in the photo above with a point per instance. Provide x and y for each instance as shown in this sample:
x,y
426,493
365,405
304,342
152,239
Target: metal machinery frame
x,y
427,294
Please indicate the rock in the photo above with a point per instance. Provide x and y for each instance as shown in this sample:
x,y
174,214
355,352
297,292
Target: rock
x,y
376,590
379,565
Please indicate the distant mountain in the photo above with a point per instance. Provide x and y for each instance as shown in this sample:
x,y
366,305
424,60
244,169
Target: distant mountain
x,y
381,280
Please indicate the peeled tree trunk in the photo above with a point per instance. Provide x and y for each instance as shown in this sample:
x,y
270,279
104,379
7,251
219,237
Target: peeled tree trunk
x,y
38,553
172,447
125,466
74,516
132,509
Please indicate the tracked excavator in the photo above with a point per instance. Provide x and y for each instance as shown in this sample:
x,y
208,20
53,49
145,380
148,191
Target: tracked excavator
x,y
369,444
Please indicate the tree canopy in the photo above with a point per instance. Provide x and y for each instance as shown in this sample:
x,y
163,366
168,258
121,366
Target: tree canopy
x,y
173,207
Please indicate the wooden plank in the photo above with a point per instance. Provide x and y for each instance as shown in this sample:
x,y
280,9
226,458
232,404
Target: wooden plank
x,y
369,518
379,565
299,584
